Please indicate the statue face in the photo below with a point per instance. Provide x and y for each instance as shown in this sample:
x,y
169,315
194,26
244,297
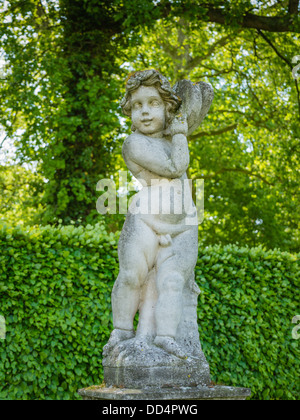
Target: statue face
x,y
148,112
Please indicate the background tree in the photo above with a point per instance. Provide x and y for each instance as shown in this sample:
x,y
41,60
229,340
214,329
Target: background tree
x,y
62,81
66,65
247,150
21,195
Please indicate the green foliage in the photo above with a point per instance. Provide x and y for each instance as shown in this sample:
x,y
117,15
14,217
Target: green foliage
x,y
21,195
61,84
65,66
55,287
247,148
248,301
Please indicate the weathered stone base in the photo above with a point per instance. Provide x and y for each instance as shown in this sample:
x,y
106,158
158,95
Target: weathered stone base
x,y
135,364
186,373
181,393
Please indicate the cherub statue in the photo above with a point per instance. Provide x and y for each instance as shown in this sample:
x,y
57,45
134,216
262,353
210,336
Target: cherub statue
x,y
158,252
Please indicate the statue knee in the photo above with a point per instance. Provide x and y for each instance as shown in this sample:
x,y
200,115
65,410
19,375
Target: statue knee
x,y
128,279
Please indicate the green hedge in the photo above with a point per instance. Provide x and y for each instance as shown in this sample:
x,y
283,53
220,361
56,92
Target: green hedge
x,y
249,298
55,286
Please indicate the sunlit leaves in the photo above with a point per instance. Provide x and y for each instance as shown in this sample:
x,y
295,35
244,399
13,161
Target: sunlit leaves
x,y
55,293
247,147
66,63
21,194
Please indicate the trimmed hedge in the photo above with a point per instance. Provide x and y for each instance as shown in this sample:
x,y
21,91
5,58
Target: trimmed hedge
x,y
55,287
249,299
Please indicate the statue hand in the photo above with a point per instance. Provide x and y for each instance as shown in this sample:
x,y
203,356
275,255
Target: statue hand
x,y
179,125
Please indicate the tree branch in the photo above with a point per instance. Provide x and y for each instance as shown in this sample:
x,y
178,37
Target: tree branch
x,y
275,49
289,22
3,141
195,62
241,170
282,58
293,7
213,133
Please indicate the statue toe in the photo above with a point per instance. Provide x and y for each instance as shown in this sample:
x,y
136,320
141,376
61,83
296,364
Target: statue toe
x,y
170,346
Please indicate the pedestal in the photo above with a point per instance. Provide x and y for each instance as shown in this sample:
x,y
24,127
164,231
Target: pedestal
x,y
137,365
199,393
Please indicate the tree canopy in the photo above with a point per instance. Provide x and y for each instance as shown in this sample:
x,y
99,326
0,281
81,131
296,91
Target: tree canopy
x,y
65,63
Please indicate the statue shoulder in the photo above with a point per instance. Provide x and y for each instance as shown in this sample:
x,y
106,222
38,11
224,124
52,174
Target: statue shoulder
x,y
134,138
132,142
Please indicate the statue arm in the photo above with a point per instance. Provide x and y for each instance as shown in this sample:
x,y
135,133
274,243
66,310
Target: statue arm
x,y
180,153
151,156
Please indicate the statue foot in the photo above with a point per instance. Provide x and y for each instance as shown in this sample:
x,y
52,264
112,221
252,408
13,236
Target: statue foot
x,y
115,338
170,346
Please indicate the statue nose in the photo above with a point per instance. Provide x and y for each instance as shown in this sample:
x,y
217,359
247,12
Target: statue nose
x,y
145,109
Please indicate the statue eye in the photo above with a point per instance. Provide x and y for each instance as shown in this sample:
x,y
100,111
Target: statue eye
x,y
137,105
155,102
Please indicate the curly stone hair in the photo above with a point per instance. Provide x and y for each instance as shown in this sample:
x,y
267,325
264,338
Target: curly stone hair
x,y
161,83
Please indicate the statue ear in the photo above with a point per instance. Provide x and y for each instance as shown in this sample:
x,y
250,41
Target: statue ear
x,y
196,101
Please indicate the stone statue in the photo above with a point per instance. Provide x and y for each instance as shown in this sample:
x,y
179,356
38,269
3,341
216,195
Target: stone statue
x,y
158,249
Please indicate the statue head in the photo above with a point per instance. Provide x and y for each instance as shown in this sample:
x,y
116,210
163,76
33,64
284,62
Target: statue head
x,y
150,102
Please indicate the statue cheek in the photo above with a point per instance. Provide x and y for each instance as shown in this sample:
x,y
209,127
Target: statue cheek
x,y
161,115
135,118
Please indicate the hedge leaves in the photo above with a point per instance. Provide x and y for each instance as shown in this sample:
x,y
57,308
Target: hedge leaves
x,y
55,287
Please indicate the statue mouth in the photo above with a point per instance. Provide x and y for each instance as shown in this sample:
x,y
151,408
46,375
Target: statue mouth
x,y
147,122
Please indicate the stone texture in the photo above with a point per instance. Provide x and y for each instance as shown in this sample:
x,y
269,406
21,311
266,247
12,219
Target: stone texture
x,y
158,249
135,364
180,393
197,99
138,363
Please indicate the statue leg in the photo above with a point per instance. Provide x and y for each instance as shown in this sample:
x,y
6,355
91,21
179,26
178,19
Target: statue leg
x,y
125,296
137,251
175,266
